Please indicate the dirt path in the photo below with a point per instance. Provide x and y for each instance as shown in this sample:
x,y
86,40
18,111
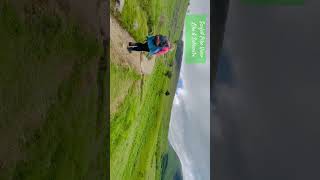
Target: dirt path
x,y
119,39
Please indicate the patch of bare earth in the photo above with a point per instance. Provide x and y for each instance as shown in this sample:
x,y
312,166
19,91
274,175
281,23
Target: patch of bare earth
x,y
119,41
116,103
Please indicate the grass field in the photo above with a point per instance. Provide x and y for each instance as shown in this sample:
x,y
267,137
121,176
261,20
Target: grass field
x,y
52,98
140,123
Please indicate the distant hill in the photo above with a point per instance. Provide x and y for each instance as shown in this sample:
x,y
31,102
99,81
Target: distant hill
x,y
177,63
171,166
179,54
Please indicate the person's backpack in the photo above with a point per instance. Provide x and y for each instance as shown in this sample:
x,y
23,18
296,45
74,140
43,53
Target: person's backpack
x,y
164,42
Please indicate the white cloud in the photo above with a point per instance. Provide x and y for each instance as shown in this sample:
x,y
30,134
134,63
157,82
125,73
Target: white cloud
x,y
189,131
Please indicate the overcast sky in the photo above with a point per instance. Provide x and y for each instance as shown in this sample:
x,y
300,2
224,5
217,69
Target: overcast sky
x,y
189,132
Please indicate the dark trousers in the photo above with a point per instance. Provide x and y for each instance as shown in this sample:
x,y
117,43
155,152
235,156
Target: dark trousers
x,y
141,47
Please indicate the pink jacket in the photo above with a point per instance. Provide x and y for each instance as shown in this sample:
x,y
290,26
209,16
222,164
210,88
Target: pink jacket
x,y
163,51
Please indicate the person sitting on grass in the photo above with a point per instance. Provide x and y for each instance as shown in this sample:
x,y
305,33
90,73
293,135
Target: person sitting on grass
x,y
154,45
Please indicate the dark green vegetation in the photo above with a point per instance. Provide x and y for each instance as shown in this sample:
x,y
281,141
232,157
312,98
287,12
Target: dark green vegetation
x,y
140,122
52,98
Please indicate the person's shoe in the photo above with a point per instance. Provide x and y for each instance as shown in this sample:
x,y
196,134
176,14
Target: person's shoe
x,y
132,44
129,49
